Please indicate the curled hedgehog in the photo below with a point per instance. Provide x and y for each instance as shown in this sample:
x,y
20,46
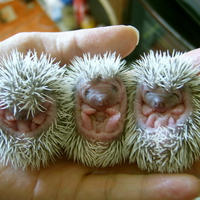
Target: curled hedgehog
x,y
95,135
165,101
32,109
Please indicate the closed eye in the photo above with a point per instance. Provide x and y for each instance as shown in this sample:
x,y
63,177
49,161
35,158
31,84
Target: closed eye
x,y
87,92
114,88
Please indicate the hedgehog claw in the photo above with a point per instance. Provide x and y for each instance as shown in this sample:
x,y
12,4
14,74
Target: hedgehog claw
x,y
39,119
9,116
87,109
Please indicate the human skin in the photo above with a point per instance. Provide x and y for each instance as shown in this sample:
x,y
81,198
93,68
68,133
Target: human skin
x,y
66,180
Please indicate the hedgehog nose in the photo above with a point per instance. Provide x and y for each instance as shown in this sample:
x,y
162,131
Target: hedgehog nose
x,y
159,104
102,101
22,116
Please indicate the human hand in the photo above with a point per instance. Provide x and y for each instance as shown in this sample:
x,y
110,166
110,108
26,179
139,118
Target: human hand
x,y
65,179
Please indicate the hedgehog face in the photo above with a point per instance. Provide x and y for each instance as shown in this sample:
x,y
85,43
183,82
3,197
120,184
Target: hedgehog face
x,y
101,108
21,121
159,99
157,107
102,95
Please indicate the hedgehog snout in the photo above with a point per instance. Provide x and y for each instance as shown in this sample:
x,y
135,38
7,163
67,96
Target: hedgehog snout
x,y
158,104
101,101
104,100
101,96
161,100
23,116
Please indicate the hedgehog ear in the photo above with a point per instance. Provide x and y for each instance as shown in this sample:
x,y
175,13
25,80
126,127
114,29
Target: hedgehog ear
x,y
99,78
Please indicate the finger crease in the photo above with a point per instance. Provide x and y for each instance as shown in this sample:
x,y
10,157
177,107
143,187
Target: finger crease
x,y
78,48
142,188
109,185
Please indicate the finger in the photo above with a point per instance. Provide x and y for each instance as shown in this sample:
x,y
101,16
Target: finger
x,y
139,187
67,180
195,54
65,45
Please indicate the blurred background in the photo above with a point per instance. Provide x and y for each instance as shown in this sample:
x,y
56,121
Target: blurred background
x,y
163,25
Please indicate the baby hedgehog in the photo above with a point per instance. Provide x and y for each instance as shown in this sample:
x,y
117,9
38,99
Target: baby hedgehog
x,y
165,132
32,109
98,110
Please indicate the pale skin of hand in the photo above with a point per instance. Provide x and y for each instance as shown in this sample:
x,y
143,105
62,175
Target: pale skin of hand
x,y
65,180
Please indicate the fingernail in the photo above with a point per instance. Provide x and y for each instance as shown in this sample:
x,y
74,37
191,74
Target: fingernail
x,y
137,33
